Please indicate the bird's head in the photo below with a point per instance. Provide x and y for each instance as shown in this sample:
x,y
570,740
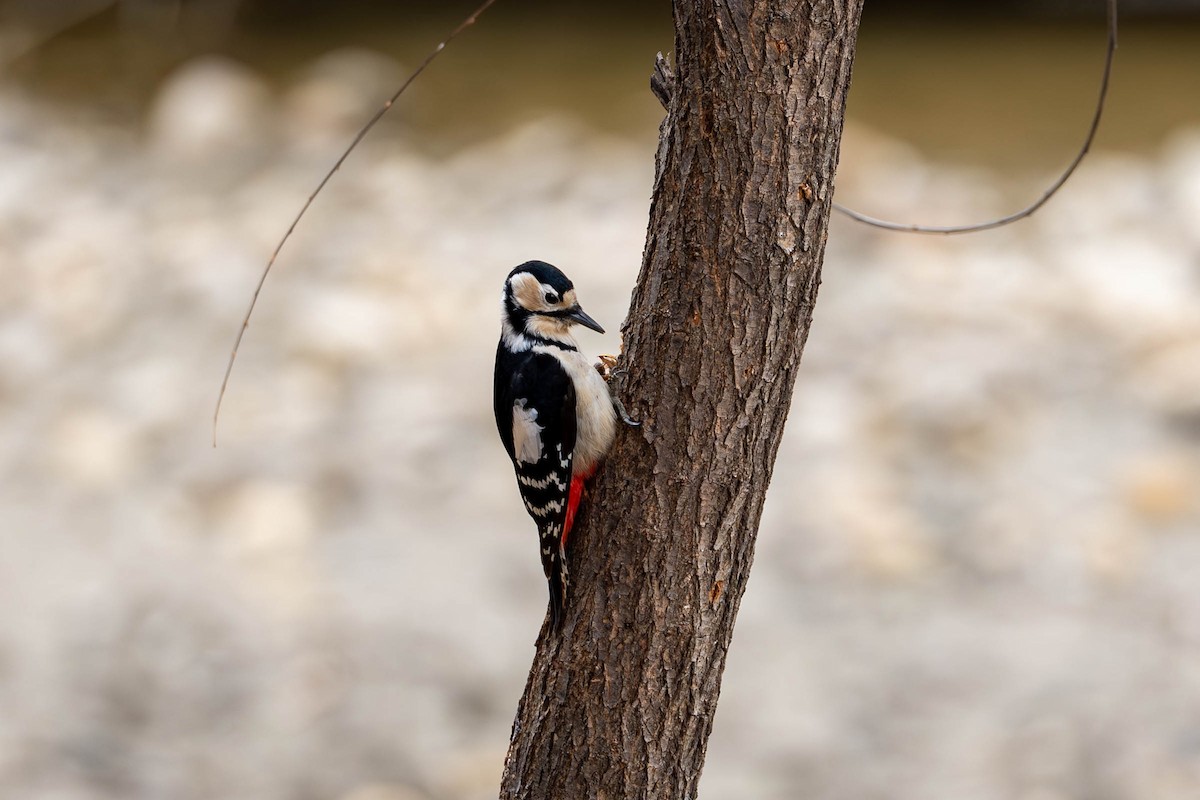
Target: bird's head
x,y
539,302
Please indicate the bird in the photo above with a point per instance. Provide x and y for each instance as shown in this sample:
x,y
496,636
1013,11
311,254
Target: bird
x,y
554,412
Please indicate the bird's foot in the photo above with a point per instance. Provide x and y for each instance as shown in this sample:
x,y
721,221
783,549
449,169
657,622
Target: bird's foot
x,y
605,366
624,415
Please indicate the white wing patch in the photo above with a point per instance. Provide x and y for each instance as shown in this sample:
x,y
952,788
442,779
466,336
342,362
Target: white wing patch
x,y
527,434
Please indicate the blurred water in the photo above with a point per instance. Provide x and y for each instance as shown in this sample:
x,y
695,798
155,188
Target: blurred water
x,y
1009,91
977,567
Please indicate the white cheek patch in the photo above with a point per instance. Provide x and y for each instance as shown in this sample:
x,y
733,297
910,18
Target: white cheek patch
x,y
527,434
528,292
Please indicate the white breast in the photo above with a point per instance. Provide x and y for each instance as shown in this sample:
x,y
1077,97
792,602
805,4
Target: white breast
x,y
595,417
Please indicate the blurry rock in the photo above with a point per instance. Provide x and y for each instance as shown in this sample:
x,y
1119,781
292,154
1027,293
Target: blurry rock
x,y
384,792
153,391
309,394
1002,538
535,162
26,350
471,775
887,546
74,271
339,93
26,169
210,108
886,539
881,174
1161,488
1181,173
93,449
1041,751
268,530
1133,285
346,323
264,517
1114,552
1132,199
1169,378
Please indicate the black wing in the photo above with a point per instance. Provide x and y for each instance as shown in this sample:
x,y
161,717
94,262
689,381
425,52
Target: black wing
x,y
535,412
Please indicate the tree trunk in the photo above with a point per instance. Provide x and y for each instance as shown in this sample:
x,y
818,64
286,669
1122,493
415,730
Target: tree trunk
x,y
621,703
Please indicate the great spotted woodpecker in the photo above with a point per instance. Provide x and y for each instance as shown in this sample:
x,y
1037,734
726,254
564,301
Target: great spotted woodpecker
x,y
554,411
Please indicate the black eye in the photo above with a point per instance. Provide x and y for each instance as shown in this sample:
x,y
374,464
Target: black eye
x,y
551,298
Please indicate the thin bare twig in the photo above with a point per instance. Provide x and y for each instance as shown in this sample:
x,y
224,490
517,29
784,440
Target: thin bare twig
x,y
855,215
466,23
1054,187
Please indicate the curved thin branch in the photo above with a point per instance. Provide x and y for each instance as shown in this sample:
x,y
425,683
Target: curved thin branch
x,y
468,22
904,227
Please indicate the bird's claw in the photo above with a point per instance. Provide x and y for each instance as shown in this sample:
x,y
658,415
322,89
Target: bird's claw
x,y
605,367
624,415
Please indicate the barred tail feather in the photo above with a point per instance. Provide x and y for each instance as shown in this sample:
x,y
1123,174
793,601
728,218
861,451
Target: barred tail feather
x,y
554,564
558,597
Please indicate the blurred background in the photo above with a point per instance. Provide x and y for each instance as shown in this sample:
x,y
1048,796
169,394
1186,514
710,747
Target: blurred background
x,y
978,574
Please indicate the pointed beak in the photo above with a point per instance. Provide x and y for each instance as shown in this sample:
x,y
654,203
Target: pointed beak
x,y
577,314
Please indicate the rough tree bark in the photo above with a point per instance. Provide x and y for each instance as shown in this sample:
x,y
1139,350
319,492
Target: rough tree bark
x,y
620,705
